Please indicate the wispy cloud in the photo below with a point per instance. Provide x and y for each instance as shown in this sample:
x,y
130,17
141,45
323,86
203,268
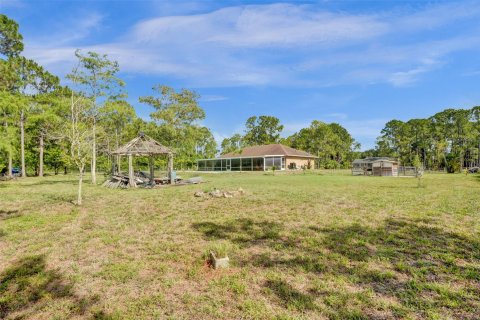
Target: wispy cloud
x,y
286,25
406,78
276,44
11,4
212,98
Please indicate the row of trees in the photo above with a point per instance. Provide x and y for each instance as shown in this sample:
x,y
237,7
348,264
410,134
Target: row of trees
x,y
449,140
45,123
331,143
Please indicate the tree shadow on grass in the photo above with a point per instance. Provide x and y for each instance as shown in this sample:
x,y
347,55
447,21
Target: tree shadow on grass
x,y
422,267
28,285
241,231
8,214
290,297
426,264
401,240
43,181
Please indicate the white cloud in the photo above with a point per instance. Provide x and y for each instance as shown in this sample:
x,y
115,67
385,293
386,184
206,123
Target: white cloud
x,y
212,98
274,44
260,26
289,25
405,78
11,4
435,16
82,27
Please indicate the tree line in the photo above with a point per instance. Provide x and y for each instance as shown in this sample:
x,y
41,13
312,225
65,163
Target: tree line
x,y
78,124
48,124
448,140
45,123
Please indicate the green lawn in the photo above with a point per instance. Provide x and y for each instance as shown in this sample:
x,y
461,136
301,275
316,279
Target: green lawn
x,y
315,246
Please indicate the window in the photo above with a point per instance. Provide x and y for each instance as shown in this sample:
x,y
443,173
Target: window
x,y
218,165
224,164
210,165
247,164
268,163
277,162
235,164
257,164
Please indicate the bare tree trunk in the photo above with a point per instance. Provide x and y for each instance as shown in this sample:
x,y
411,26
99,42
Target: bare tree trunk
x,y
22,142
461,161
10,160
10,163
80,181
40,169
116,148
131,173
478,159
170,168
151,164
94,153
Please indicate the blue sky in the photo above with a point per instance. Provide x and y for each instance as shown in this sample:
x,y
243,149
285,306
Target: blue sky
x,y
358,63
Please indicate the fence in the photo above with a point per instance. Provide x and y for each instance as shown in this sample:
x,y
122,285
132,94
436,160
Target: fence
x,y
407,171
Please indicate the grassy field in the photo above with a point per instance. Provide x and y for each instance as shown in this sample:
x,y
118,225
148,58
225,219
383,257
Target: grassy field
x,y
315,246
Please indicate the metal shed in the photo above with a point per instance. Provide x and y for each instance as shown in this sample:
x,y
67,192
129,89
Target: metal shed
x,y
376,166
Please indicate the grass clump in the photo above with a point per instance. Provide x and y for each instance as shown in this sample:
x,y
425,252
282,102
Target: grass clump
x,y
221,249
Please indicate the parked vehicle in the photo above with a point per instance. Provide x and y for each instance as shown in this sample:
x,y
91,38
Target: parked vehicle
x,y
16,172
474,170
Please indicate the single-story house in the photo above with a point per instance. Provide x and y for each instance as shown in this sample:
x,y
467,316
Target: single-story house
x,y
376,166
259,158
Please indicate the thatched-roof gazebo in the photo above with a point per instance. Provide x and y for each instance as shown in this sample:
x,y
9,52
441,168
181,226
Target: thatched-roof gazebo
x,y
143,145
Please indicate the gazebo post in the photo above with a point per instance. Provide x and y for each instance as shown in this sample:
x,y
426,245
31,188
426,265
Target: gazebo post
x,y
113,164
152,181
170,168
131,176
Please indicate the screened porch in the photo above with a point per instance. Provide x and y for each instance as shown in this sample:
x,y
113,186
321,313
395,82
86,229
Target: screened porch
x,y
242,164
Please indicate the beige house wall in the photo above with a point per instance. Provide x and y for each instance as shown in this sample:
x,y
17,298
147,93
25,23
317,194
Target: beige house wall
x,y
299,162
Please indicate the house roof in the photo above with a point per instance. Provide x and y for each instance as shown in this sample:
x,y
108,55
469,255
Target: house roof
x,y
142,145
375,159
268,150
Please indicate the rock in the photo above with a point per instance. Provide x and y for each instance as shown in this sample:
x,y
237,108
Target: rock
x,y
199,194
219,263
216,193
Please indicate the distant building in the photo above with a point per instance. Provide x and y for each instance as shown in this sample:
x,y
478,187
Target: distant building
x,y
259,158
376,166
